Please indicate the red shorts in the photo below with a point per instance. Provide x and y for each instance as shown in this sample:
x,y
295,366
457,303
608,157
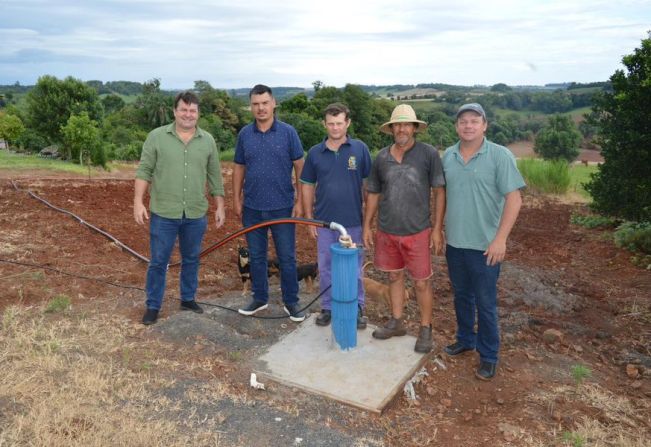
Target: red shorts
x,y
394,253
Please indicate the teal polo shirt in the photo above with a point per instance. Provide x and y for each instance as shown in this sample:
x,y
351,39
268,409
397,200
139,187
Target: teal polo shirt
x,y
178,172
475,193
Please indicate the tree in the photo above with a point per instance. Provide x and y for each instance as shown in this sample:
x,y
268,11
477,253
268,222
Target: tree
x,y
112,103
154,106
11,128
81,138
622,185
52,101
558,139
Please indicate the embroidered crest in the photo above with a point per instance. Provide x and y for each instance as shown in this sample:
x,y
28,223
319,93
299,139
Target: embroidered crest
x,y
352,163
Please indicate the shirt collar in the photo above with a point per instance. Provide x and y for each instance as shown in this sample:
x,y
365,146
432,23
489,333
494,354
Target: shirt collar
x,y
171,128
271,129
324,147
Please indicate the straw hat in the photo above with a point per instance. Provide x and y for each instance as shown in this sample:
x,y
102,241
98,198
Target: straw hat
x,y
403,114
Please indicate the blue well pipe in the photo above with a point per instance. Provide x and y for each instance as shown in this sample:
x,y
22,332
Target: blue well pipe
x,y
345,272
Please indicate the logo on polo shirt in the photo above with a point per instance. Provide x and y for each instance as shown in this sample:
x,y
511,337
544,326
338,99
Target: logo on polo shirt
x,y
352,163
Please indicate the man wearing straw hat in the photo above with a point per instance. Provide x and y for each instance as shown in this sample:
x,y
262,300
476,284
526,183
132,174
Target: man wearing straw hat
x,y
399,190
483,196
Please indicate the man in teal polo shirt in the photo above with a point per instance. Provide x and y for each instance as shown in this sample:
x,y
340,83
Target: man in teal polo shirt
x,y
483,201
177,161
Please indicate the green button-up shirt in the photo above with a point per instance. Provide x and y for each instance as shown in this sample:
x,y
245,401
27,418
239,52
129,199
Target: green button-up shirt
x,y
178,172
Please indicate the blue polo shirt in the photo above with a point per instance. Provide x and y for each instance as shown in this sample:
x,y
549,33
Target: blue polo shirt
x,y
268,158
339,177
475,193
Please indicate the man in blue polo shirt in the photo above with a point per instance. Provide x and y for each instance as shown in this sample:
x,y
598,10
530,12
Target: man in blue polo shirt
x,y
336,169
267,151
483,201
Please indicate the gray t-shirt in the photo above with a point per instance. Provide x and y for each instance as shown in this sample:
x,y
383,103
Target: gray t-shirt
x,y
405,188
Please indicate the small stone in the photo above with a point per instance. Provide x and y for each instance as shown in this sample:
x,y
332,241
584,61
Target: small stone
x,y
552,336
509,369
509,338
468,417
578,348
430,391
477,411
446,403
636,385
632,371
557,416
500,401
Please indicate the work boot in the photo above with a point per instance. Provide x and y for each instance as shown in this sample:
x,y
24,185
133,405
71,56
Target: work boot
x,y
393,328
150,317
361,318
324,317
424,341
191,305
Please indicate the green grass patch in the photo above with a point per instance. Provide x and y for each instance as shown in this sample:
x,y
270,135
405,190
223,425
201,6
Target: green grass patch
x,y
57,304
228,155
580,176
10,160
550,177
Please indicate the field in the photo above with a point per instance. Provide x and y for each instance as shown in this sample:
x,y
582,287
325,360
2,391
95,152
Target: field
x,y
77,367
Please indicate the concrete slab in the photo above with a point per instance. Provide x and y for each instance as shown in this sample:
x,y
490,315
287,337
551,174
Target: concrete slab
x,y
368,376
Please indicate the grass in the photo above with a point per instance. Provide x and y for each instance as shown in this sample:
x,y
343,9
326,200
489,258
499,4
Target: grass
x,y
580,175
10,160
72,379
551,177
59,303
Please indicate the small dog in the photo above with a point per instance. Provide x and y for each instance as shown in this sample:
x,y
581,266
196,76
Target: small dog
x,y
304,272
377,291
244,268
307,273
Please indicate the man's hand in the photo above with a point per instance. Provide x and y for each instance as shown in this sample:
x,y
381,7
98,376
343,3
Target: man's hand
x,y
220,217
237,207
367,237
495,252
140,213
437,241
312,231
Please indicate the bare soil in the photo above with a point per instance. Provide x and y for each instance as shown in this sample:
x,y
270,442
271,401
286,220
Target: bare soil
x,y
557,276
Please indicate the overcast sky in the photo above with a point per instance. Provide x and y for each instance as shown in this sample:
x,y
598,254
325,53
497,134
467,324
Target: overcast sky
x,y
295,42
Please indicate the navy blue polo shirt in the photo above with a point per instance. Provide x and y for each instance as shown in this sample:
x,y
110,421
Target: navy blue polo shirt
x,y
339,177
268,158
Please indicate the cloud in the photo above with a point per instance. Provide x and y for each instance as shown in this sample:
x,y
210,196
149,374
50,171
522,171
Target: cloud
x,y
295,42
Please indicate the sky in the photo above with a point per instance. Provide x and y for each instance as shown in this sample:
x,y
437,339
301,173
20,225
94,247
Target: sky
x,y
234,44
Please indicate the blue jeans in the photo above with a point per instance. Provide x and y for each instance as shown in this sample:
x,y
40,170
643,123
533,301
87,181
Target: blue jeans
x,y
284,236
162,236
325,238
475,294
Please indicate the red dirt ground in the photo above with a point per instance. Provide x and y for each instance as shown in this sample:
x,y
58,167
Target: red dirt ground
x,y
604,312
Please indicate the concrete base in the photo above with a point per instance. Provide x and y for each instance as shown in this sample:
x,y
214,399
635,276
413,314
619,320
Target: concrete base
x,y
367,376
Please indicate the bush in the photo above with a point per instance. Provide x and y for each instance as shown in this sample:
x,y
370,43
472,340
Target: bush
x,y
593,221
558,140
31,141
551,177
634,236
129,152
622,185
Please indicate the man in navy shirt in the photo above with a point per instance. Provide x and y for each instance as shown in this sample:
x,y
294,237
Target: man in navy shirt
x,y
266,152
336,169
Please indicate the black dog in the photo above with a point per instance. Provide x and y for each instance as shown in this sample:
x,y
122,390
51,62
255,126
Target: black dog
x,y
307,273
304,272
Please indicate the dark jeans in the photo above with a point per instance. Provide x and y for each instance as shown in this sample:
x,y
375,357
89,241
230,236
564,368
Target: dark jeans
x,y
475,299
162,234
284,236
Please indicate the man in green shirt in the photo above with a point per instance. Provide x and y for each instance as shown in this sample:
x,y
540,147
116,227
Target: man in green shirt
x,y
177,161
